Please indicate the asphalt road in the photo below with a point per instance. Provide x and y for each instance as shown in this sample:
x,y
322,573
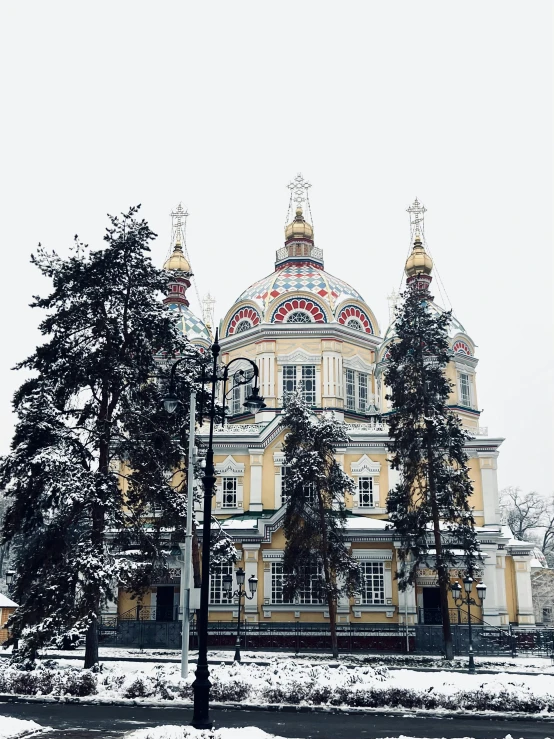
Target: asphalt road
x,y
75,721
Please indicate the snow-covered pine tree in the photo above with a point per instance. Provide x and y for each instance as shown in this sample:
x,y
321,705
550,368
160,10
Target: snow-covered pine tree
x,y
427,445
91,403
316,555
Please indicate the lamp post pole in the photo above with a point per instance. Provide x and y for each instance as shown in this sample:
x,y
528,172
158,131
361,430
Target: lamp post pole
x,y
201,685
459,600
240,593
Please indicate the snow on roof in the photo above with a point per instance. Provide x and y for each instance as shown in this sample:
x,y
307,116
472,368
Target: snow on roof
x,y
361,522
5,602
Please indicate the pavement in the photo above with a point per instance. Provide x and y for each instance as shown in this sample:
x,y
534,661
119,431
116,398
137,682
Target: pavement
x,y
77,721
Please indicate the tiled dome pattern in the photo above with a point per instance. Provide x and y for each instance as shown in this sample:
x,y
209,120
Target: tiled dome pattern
x,y
302,277
191,326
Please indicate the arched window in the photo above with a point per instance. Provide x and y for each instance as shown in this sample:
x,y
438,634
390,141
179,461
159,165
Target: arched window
x,y
355,324
298,317
243,326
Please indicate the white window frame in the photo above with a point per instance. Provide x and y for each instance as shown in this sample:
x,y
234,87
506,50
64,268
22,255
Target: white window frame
x,y
363,468
299,358
229,485
236,405
382,557
376,573
229,468
364,481
461,398
277,577
218,597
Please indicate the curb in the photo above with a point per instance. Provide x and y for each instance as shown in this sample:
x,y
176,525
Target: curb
x,y
284,708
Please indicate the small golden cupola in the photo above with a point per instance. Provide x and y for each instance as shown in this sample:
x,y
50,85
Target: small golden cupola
x,y
419,262
177,261
299,228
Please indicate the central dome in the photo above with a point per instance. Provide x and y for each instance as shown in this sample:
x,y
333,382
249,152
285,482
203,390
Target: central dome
x,y
299,291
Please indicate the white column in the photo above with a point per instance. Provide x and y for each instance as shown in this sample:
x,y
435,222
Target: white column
x,y
256,462
489,486
524,597
251,568
491,613
501,599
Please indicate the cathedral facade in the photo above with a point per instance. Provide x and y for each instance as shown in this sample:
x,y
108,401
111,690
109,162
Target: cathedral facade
x,y
311,332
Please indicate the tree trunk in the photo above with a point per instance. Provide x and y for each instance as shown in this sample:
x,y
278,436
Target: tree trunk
x,y
91,645
332,605
442,570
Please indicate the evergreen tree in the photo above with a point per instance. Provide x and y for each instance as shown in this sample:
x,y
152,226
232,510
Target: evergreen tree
x,y
427,443
316,556
92,445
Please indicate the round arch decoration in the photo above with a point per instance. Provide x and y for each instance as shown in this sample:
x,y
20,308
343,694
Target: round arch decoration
x,y
242,317
358,317
300,306
460,347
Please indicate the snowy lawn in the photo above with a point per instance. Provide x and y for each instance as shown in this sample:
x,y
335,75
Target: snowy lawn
x,y
187,732
287,681
12,728
542,665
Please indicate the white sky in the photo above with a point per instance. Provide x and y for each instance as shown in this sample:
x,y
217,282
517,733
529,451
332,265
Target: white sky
x,y
220,104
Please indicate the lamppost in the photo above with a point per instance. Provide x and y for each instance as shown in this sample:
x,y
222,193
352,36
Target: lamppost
x,y
459,600
201,685
9,579
240,594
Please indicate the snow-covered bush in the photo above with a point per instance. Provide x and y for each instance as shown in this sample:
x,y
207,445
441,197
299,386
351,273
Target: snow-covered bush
x,y
140,687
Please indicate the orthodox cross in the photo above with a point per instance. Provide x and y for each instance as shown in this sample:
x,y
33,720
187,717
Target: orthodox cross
x,y
179,224
298,190
416,211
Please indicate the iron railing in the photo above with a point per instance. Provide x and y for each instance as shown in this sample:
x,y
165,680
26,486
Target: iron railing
x,y
432,616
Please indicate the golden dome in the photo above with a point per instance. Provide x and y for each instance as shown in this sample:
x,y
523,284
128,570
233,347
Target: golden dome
x,y
299,228
177,261
419,262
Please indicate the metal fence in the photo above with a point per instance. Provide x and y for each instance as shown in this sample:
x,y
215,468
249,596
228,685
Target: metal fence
x,y
295,636
292,636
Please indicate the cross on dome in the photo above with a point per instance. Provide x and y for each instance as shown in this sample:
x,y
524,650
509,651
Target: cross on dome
x,y
299,190
179,223
416,211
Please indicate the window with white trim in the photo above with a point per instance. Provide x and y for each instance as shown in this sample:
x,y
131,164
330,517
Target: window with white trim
x,y
365,492
465,389
237,400
284,492
300,376
310,492
356,385
311,591
277,582
229,492
218,596
373,585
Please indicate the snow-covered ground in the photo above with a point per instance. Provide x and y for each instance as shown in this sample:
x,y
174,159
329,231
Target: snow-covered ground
x,y
14,728
503,664
293,682
248,732
187,732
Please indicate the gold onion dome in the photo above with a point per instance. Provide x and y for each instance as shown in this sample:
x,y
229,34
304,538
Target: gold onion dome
x,y
177,261
299,228
419,262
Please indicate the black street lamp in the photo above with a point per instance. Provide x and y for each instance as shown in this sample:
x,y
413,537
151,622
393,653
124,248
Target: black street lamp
x,y
201,685
240,594
459,600
9,579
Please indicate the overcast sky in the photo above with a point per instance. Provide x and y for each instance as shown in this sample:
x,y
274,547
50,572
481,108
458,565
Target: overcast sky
x,y
219,105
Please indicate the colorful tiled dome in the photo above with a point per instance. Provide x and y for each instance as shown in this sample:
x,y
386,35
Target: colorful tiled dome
x,y
299,290
191,326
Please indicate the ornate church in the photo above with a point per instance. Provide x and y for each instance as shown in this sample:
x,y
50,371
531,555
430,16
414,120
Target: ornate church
x,y
311,332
